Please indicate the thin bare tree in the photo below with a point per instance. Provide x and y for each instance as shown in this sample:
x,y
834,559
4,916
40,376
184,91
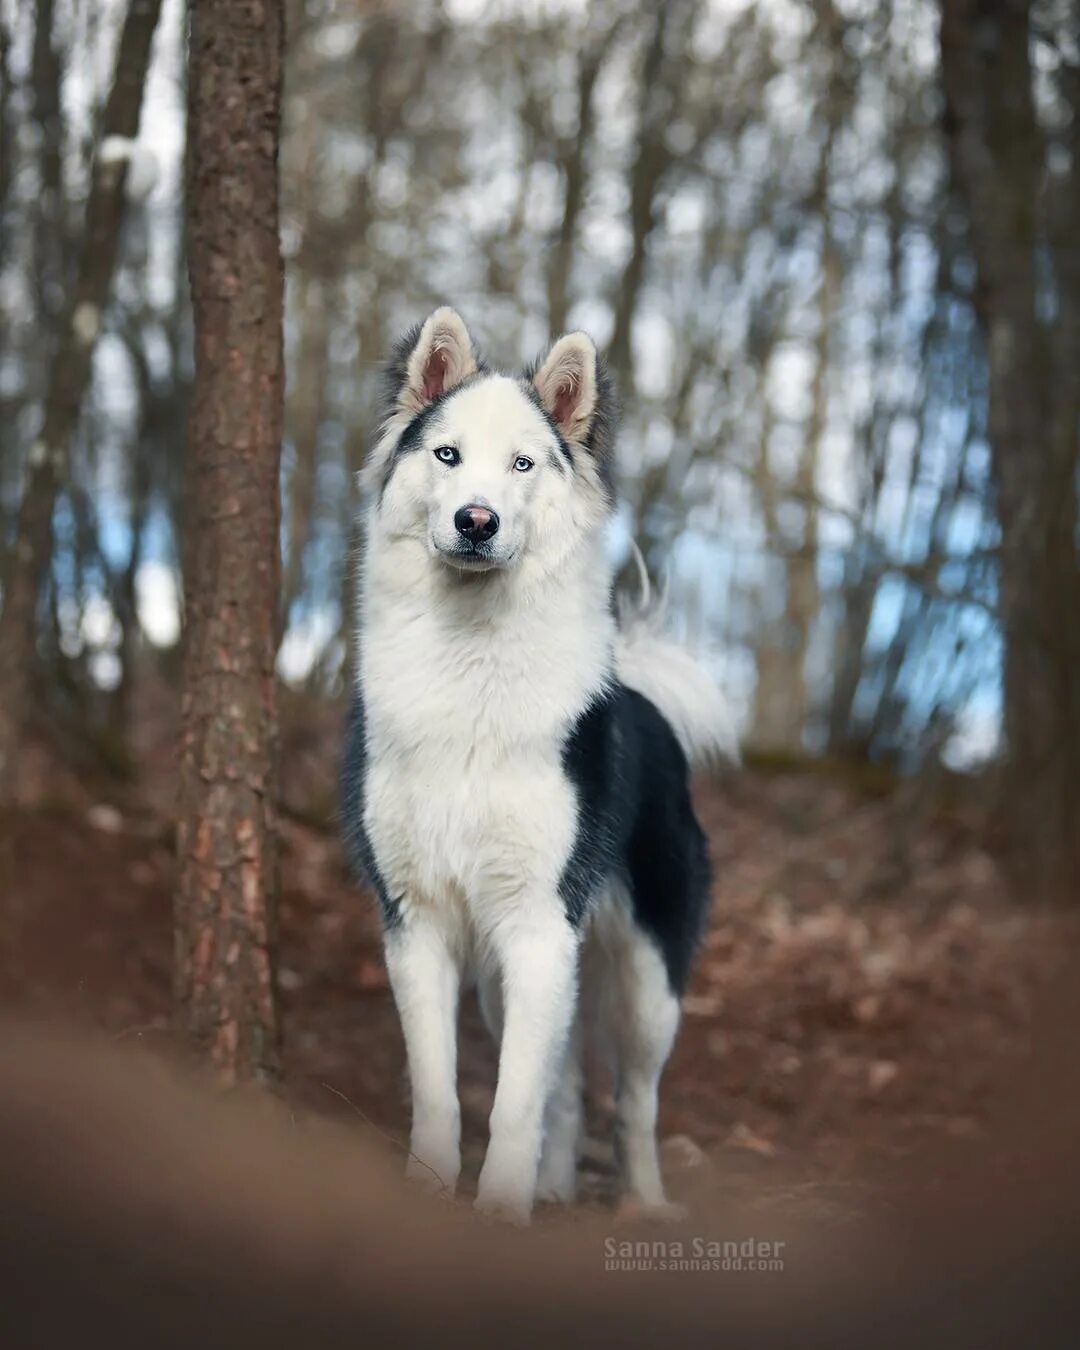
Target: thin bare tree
x,y
69,375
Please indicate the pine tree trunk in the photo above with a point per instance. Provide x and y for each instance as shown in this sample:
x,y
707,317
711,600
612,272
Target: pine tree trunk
x,y
69,375
227,844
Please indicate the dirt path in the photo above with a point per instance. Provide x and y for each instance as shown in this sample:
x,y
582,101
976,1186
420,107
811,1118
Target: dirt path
x,y
854,1004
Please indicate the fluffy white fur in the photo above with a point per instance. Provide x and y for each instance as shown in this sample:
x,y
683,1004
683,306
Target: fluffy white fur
x,y
669,676
471,681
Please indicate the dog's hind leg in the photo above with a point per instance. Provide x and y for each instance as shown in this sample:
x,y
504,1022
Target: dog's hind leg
x,y
644,1020
425,977
564,1125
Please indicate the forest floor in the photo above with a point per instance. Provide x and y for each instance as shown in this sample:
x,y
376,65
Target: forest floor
x,y
866,994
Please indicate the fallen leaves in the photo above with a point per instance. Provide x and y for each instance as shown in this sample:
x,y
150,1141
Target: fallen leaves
x,y
742,1136
815,1011
881,1073
105,819
679,1153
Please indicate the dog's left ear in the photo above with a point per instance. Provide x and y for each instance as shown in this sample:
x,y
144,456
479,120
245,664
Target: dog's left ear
x,y
576,392
430,360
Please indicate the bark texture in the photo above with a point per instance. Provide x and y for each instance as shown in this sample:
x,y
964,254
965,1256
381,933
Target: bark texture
x,y
997,153
69,375
227,844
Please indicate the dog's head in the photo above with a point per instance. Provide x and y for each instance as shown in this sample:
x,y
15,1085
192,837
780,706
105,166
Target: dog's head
x,y
485,469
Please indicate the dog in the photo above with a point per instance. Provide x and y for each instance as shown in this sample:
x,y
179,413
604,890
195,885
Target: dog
x,y
516,766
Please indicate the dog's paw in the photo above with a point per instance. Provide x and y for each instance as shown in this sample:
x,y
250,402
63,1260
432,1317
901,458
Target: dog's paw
x,y
634,1210
556,1183
556,1190
504,1209
556,1195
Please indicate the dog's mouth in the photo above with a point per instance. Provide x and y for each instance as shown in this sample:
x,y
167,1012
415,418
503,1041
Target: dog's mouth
x,y
470,557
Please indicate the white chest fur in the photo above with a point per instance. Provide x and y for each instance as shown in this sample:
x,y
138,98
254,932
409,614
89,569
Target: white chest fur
x,y
470,686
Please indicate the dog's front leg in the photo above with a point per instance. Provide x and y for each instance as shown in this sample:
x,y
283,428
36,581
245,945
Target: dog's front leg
x,y
425,977
537,956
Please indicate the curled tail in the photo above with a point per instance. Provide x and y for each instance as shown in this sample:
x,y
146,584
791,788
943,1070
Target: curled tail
x,y
675,681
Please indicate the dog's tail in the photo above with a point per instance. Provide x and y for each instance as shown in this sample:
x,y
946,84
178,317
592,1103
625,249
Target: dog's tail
x,y
674,680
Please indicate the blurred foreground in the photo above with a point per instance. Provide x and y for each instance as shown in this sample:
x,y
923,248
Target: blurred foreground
x,y
134,1205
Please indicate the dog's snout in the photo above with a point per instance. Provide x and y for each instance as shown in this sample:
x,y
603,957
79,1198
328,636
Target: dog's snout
x,y
476,523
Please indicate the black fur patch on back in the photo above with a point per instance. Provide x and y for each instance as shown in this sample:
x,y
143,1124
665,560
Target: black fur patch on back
x,y
358,850
636,821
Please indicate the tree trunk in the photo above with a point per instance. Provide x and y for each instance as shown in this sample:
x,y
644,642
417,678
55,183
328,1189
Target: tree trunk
x,y
49,207
7,134
69,376
125,591
226,838
651,158
997,156
574,170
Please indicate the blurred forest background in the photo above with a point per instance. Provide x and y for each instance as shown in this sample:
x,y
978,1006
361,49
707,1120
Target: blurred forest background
x,y
832,251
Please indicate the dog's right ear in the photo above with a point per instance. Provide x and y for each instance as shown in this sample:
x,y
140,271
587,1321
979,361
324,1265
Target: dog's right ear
x,y
429,361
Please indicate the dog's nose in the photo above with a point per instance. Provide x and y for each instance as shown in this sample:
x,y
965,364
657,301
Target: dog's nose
x,y
476,523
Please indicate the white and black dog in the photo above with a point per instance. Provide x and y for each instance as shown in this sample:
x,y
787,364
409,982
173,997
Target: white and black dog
x,y
516,764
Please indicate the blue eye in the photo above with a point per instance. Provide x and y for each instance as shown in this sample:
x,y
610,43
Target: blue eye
x,y
446,454
523,463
